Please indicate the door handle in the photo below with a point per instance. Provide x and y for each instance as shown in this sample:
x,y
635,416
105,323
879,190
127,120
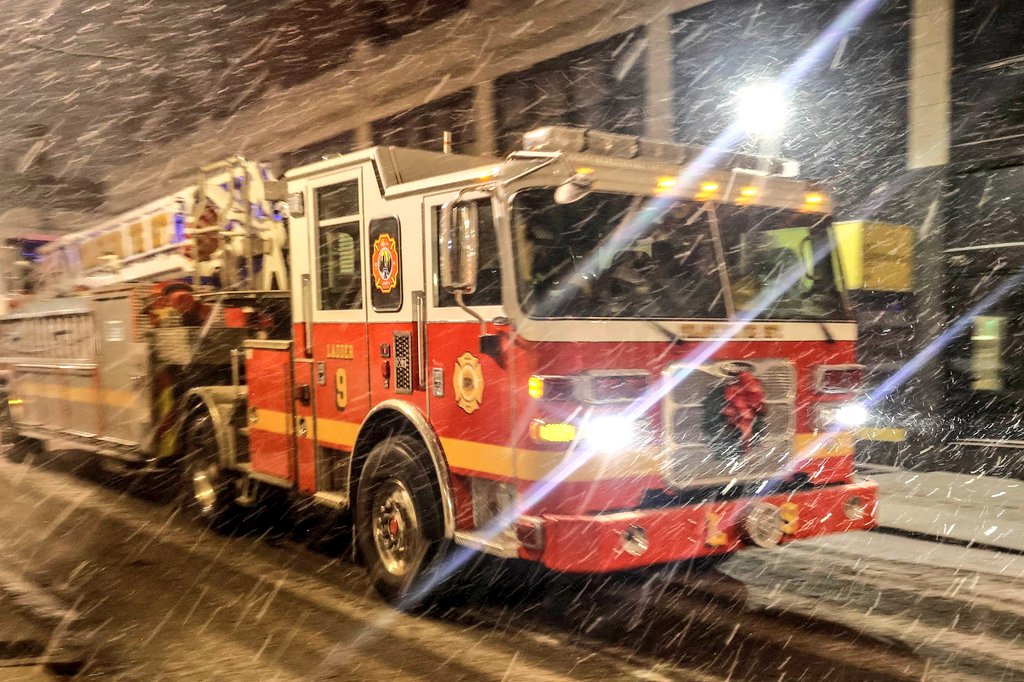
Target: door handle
x,y
302,394
419,301
307,313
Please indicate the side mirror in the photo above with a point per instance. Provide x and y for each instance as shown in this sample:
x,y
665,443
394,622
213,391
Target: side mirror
x,y
459,247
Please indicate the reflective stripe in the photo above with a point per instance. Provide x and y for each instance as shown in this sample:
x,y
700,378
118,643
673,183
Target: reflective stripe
x,y
820,445
537,465
883,435
77,394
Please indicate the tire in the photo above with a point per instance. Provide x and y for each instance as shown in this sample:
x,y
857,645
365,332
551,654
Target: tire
x,y
208,488
398,523
16,448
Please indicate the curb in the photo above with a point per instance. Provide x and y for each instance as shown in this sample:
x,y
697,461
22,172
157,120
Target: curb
x,y
945,540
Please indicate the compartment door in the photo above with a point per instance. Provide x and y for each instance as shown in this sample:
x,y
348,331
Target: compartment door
x,y
268,366
125,400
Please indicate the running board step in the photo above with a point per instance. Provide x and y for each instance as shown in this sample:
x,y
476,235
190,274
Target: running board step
x,y
333,500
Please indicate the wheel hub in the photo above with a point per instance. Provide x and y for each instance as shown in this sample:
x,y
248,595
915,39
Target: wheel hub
x,y
395,527
204,488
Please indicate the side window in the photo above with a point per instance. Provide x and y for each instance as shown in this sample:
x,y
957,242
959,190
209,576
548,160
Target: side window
x,y
338,251
488,278
385,265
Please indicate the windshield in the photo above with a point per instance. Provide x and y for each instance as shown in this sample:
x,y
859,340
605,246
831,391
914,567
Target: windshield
x,y
616,255
780,263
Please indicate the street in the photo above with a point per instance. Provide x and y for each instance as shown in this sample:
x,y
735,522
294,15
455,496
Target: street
x,y
157,597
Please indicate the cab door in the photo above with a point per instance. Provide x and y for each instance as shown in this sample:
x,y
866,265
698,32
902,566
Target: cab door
x,y
397,311
331,377
468,391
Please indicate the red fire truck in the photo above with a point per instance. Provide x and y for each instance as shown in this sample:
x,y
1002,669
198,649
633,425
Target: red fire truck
x,y
599,353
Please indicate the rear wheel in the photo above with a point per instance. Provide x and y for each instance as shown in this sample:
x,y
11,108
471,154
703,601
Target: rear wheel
x,y
17,448
398,523
209,488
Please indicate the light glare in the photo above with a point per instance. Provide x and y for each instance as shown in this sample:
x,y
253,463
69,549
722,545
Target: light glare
x,y
762,109
852,415
610,433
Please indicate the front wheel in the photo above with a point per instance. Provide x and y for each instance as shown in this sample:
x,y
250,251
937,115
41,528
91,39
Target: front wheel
x,y
398,523
209,489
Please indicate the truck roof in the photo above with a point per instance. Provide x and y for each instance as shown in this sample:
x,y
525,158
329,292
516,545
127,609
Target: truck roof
x,y
398,165
628,163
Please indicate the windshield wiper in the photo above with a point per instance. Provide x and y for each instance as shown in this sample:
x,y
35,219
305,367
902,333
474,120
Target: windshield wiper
x,y
824,330
669,334
673,338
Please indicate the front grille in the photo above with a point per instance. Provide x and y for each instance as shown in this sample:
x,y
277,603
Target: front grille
x,y
694,455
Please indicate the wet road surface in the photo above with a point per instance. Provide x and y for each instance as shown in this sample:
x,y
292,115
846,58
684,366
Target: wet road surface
x,y
159,598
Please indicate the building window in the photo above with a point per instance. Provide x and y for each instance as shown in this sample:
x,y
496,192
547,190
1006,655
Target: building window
x,y
424,126
600,86
847,120
339,144
987,31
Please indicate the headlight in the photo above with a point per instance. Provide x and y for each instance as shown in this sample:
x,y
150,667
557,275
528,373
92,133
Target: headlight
x,y
844,416
853,415
609,433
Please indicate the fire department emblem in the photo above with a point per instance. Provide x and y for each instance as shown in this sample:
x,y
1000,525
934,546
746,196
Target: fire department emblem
x,y
385,263
468,383
734,415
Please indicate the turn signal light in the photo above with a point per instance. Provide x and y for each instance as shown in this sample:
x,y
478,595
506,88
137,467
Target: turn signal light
x,y
814,198
556,432
550,387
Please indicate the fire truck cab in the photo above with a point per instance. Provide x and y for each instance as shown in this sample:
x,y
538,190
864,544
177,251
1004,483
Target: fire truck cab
x,y
599,353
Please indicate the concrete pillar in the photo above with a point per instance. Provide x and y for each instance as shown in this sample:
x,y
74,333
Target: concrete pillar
x,y
659,84
485,120
931,63
928,144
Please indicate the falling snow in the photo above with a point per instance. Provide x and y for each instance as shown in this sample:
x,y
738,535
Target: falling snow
x,y
602,389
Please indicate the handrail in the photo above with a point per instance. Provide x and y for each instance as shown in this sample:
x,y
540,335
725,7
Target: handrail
x,y
83,367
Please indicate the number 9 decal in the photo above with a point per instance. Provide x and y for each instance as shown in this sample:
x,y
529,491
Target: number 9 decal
x,y
340,389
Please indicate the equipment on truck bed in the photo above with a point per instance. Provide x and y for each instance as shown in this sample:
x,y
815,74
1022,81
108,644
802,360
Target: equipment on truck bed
x,y
227,231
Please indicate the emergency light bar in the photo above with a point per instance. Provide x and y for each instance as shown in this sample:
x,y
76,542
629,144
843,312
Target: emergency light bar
x,y
570,139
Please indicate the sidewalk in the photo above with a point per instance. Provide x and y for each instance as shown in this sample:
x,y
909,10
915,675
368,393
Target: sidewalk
x,y
966,509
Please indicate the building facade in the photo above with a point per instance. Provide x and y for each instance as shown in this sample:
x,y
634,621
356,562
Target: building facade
x,y
909,110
